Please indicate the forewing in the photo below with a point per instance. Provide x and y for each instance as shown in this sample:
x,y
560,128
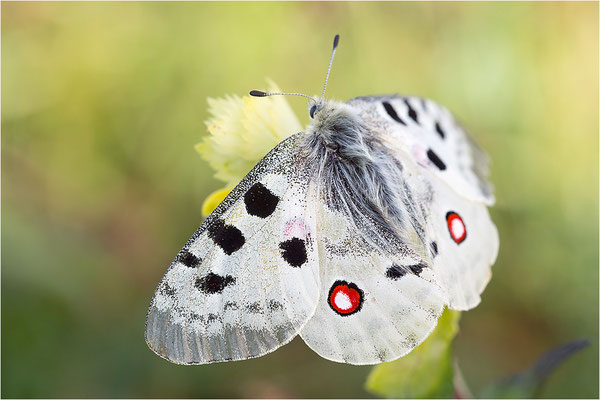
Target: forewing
x,y
373,307
429,135
247,280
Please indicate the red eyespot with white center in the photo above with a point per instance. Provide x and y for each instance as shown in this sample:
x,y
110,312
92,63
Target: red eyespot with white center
x,y
345,298
456,227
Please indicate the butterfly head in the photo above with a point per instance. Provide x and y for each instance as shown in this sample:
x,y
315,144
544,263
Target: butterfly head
x,y
312,109
315,106
332,118
319,107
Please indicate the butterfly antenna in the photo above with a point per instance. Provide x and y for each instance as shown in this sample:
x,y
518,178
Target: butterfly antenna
x,y
336,41
258,93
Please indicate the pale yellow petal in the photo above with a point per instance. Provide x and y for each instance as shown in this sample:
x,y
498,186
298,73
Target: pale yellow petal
x,y
241,130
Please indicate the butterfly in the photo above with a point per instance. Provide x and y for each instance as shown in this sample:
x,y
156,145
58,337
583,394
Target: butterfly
x,y
354,234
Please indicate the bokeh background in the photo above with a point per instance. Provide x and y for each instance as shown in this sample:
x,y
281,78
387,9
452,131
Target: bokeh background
x,y
102,104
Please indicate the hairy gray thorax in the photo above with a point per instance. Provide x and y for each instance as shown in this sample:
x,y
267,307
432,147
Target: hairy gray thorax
x,y
358,176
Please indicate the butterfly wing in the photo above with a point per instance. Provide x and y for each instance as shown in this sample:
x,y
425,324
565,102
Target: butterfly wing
x,y
373,306
463,242
247,280
429,135
447,175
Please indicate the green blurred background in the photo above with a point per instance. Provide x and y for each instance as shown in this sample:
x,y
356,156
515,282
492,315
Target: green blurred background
x,y
102,104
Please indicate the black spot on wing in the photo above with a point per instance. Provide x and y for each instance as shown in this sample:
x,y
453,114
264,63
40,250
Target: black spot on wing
x,y
210,318
392,113
417,268
254,308
213,283
196,317
189,260
434,249
274,305
411,112
439,130
294,251
395,272
227,237
167,290
436,160
260,201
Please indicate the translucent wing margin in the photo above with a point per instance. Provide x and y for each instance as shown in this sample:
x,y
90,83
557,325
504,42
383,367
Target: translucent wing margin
x,y
247,280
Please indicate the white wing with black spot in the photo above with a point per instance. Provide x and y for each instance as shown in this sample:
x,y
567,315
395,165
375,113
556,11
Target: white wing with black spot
x,y
447,175
461,237
373,307
464,245
247,280
429,135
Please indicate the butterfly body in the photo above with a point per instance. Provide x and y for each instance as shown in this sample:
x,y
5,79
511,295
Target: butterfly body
x,y
356,174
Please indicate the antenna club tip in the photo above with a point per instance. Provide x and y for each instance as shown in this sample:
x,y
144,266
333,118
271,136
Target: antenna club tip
x,y
257,93
336,40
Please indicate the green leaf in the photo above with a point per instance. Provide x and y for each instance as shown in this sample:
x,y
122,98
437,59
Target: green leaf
x,y
426,372
527,384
